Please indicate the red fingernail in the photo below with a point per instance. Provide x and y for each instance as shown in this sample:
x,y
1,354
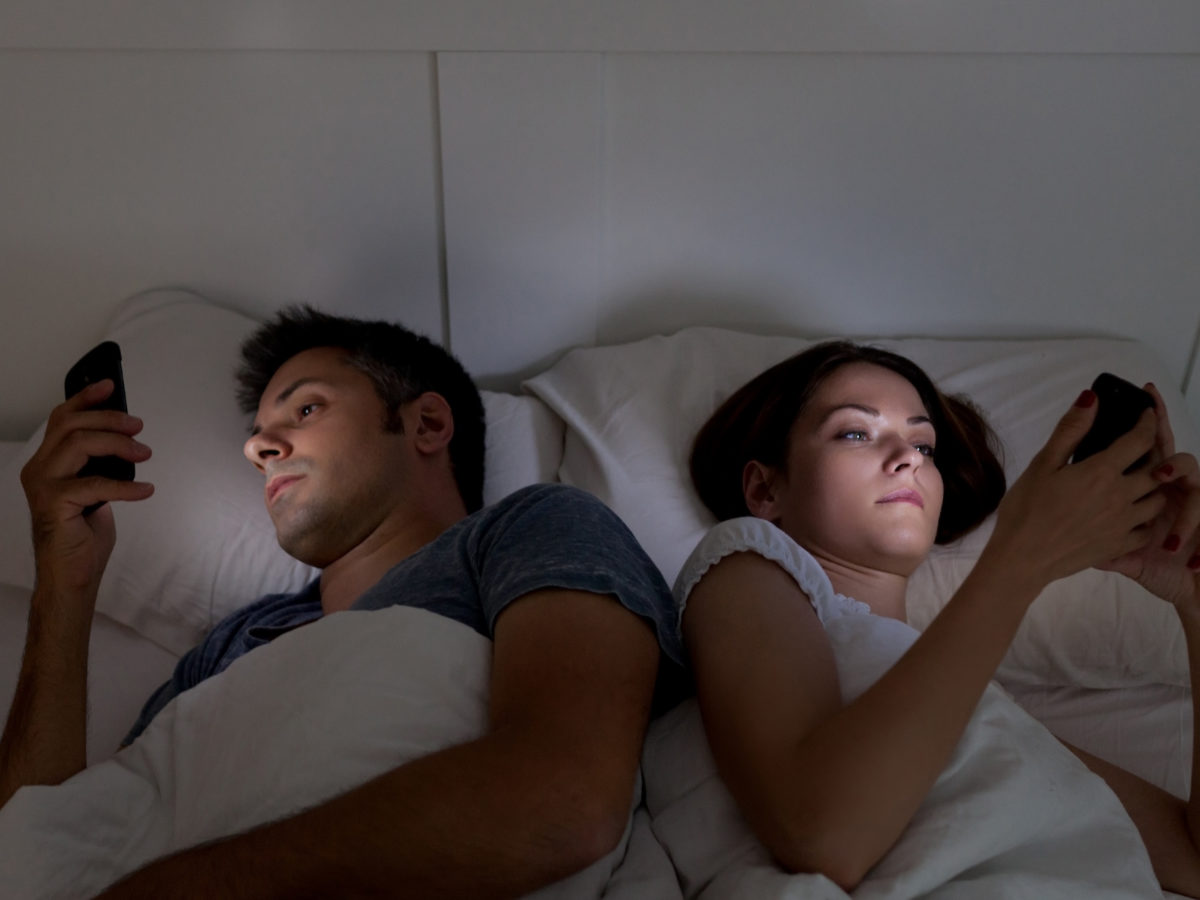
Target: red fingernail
x,y
1086,399
1171,544
1166,470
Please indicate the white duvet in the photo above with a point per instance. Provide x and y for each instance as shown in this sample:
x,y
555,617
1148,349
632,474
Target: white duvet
x,y
317,711
1014,814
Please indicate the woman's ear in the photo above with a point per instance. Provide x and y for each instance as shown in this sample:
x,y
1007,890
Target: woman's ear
x,y
758,487
434,423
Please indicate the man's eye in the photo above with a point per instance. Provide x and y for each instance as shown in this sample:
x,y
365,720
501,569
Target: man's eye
x,y
307,409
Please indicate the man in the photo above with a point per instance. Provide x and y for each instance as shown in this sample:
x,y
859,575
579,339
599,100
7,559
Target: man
x,y
370,439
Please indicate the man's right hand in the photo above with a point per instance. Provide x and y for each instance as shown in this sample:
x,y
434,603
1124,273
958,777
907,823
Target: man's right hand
x,y
45,738
70,549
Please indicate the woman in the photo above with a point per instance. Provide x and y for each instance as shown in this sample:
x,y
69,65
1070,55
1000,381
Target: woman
x,y
852,465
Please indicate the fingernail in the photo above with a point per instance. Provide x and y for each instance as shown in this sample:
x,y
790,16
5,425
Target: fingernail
x,y
1171,544
1166,470
1086,399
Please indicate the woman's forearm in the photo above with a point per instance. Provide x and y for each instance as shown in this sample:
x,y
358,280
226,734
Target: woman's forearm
x,y
915,714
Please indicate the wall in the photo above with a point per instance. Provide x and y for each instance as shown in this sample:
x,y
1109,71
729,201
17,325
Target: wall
x,y
519,178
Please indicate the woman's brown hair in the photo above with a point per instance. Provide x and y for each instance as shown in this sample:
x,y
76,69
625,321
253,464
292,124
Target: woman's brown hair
x,y
756,421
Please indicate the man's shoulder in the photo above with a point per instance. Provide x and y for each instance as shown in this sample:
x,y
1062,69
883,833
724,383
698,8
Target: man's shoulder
x,y
546,508
547,493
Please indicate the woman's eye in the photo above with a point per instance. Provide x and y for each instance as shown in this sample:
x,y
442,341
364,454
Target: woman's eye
x,y
925,449
853,435
307,409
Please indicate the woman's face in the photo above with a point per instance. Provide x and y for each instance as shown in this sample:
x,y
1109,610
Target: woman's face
x,y
861,485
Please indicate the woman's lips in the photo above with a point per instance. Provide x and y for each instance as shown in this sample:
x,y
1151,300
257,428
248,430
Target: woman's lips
x,y
904,495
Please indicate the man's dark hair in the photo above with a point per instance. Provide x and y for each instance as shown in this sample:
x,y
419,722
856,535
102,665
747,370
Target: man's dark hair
x,y
756,421
400,363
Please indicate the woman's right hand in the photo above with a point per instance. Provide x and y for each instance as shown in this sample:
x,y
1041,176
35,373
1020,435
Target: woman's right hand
x,y
70,549
1060,517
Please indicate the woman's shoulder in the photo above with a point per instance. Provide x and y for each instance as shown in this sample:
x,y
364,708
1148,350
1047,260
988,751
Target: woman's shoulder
x,y
749,534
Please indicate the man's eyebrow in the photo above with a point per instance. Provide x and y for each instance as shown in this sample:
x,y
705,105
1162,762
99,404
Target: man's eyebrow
x,y
870,411
287,392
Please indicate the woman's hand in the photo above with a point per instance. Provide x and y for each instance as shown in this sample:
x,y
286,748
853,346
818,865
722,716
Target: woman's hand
x,y
1168,565
1060,517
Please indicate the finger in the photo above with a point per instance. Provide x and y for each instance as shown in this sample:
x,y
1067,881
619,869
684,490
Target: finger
x,y
101,420
64,420
72,454
1166,435
96,392
62,500
1184,479
1069,431
87,492
1145,511
1134,542
1133,444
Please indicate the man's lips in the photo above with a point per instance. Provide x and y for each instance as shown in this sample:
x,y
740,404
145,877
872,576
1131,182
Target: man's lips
x,y
277,484
904,495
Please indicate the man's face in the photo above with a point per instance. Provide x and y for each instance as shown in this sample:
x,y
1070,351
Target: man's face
x,y
333,474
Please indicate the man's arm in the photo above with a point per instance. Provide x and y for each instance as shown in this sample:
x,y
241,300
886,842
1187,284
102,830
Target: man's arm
x,y
546,792
45,737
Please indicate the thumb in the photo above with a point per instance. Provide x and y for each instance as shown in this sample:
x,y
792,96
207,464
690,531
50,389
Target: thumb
x,y
1070,430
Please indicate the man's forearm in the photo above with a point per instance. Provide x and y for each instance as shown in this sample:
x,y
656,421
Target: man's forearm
x,y
492,818
45,738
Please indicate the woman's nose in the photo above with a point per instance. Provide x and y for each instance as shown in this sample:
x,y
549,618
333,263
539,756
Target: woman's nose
x,y
902,455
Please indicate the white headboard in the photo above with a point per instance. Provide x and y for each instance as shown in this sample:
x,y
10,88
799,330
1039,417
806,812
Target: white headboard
x,y
517,178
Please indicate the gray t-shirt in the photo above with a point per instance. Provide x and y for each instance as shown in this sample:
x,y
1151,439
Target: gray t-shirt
x,y
543,536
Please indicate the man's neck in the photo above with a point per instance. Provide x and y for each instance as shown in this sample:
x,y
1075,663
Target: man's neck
x,y
351,575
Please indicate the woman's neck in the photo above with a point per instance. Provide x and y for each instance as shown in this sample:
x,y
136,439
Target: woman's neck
x,y
883,591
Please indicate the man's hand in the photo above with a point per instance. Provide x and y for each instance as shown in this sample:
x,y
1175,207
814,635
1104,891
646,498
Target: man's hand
x,y
71,550
45,739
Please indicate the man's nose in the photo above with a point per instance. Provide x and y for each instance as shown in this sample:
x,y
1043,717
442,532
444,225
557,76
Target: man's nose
x,y
265,445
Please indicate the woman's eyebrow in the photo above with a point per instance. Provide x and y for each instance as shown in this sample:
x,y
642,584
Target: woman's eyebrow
x,y
870,411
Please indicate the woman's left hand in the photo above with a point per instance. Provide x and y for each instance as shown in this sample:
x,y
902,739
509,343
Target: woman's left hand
x,y
1169,564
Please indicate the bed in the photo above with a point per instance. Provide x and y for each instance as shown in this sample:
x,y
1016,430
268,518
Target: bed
x,y
612,220
1096,660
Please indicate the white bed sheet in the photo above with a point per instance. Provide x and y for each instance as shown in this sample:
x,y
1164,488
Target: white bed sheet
x,y
1145,729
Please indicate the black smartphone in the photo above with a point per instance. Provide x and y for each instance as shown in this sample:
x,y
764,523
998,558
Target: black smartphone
x,y
1120,405
103,361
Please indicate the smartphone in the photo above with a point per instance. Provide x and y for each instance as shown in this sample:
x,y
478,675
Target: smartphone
x,y
103,361
1120,405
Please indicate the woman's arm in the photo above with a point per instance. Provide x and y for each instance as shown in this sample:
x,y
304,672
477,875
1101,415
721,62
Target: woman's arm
x,y
1169,567
1168,826
829,789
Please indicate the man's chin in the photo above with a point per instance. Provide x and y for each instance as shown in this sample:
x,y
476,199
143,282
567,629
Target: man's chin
x,y
302,545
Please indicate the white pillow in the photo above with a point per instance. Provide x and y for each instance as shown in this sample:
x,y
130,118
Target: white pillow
x,y
632,411
203,545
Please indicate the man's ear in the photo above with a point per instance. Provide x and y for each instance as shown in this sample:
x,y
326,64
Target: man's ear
x,y
434,423
758,487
